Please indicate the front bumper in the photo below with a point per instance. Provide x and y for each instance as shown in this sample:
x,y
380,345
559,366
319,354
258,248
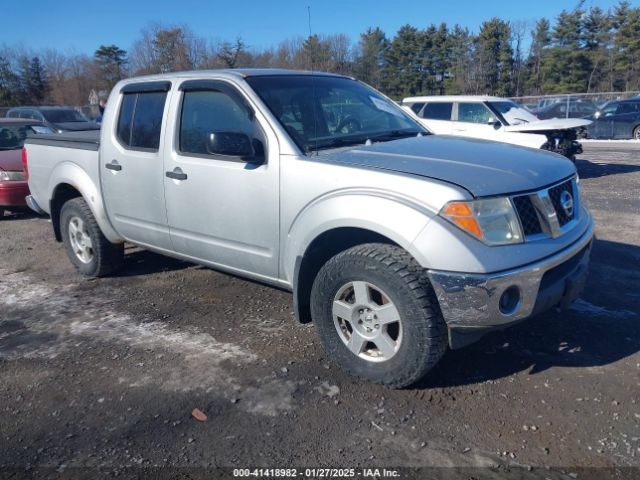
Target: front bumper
x,y
471,303
13,193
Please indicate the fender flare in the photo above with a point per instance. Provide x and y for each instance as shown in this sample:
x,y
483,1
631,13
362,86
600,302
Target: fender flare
x,y
397,217
68,173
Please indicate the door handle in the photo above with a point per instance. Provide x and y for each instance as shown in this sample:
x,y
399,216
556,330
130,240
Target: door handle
x,y
114,165
176,174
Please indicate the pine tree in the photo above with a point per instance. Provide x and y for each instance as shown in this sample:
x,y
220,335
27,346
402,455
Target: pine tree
x,y
370,60
495,58
9,83
460,52
540,41
110,61
402,74
626,61
597,39
566,66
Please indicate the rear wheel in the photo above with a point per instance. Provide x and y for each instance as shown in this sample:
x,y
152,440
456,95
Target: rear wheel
x,y
377,316
88,249
636,133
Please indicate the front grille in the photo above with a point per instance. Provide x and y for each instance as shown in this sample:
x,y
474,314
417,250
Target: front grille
x,y
554,195
527,213
541,212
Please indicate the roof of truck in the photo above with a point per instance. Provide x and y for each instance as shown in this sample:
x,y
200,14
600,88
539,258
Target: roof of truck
x,y
454,98
232,72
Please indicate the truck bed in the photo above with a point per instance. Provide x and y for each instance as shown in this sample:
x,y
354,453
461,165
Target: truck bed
x,y
66,158
86,140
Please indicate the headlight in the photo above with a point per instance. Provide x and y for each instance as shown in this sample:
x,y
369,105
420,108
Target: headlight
x,y
491,220
9,176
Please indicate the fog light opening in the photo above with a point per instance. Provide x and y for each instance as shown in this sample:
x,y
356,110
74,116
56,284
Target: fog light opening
x,y
509,300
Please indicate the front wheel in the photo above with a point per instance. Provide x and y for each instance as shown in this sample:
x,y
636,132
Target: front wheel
x,y
377,316
88,249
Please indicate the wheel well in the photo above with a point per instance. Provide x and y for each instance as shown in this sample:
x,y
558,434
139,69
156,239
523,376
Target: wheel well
x,y
325,246
62,194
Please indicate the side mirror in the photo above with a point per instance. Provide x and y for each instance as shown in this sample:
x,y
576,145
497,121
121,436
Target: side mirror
x,y
597,114
233,144
494,122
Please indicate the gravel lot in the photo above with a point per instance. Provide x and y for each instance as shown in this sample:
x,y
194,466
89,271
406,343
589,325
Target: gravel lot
x,y
105,373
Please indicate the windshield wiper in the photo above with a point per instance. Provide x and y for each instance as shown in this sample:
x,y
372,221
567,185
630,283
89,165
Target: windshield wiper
x,y
355,140
395,134
334,143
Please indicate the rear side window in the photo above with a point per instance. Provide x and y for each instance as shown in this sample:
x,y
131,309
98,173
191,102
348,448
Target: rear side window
x,y
438,111
628,107
140,120
416,107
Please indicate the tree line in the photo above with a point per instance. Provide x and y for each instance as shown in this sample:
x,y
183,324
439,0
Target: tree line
x,y
579,51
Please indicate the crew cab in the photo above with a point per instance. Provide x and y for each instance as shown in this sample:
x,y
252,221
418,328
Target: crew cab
x,y
499,119
395,242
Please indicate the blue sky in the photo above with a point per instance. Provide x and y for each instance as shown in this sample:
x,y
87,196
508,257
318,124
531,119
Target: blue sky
x,y
80,26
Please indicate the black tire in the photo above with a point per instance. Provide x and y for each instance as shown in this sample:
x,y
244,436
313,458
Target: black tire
x,y
636,133
106,257
1,212
393,270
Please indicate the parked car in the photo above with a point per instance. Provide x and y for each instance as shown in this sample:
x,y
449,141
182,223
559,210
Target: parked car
x,y
395,242
618,119
498,119
58,119
575,108
13,184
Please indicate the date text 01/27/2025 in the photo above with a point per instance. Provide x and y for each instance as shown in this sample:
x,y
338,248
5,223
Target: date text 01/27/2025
x,y
315,473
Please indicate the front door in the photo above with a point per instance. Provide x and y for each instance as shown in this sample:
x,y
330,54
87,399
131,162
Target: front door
x,y
473,120
222,209
131,169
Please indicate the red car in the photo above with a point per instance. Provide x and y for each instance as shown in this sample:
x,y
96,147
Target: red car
x,y
13,182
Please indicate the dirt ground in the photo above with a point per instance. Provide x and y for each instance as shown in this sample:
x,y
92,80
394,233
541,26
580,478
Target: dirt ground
x,y
104,374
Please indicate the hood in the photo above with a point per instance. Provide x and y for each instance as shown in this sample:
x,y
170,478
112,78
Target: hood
x,y
483,168
76,126
541,126
11,160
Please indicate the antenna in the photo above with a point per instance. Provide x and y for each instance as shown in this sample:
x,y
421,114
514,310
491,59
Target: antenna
x,y
313,84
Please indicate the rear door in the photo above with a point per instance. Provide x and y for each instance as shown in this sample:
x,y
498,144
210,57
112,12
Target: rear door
x,y
625,119
131,169
222,209
437,117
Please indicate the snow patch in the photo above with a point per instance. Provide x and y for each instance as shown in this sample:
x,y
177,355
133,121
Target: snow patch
x,y
583,306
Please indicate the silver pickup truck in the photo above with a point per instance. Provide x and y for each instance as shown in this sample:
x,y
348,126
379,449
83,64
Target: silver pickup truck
x,y
397,243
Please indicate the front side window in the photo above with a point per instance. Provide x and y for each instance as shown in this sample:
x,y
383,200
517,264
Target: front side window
x,y
140,120
473,113
438,111
610,109
207,112
321,112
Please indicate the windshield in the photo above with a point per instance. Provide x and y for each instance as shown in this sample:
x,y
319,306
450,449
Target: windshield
x,y
513,113
12,136
64,116
327,112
